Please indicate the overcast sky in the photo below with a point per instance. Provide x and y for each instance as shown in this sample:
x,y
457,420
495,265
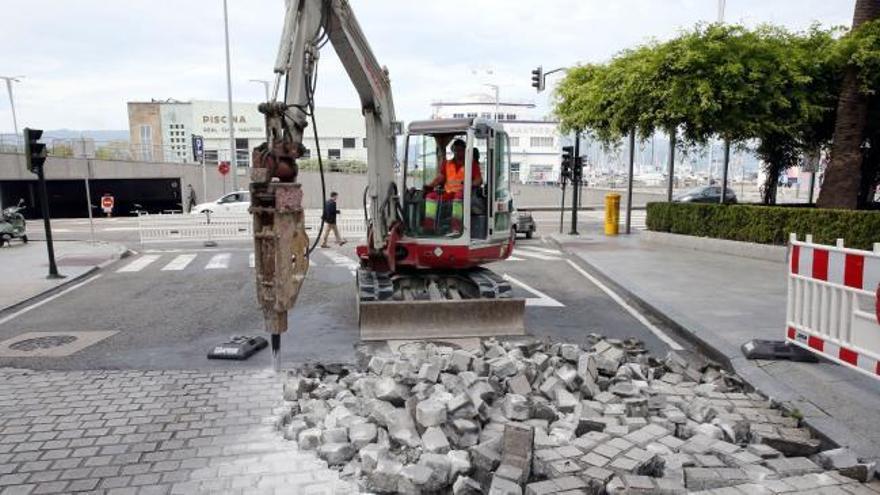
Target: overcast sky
x,y
84,59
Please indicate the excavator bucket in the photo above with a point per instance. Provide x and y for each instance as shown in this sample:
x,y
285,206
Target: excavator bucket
x,y
393,320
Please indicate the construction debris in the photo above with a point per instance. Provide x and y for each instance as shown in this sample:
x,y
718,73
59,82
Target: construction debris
x,y
535,418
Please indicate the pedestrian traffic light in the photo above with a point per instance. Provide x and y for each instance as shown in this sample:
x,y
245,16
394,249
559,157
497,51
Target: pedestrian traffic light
x,y
538,79
566,163
34,150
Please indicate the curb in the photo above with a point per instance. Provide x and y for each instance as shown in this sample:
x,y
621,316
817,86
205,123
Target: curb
x,y
124,252
828,429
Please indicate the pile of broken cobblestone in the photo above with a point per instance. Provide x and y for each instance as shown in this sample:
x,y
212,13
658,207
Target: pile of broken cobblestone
x,y
537,418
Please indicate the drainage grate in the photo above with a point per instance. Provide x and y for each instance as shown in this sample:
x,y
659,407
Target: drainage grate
x,y
42,343
51,344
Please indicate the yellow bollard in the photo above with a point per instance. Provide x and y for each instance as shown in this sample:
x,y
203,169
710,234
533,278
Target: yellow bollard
x,y
612,213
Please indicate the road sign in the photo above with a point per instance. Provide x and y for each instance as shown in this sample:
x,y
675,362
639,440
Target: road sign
x,y
223,168
198,144
107,202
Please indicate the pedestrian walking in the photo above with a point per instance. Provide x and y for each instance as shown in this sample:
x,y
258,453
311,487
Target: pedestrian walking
x,y
329,217
190,198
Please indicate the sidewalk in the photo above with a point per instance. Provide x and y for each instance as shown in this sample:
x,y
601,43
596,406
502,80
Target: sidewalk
x,y
24,267
151,432
725,301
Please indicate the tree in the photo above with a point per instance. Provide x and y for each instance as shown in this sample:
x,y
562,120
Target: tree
x,y
843,185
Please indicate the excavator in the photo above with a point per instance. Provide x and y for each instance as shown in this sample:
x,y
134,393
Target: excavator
x,y
421,269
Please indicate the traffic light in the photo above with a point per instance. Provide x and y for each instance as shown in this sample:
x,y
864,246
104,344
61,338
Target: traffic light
x,y
578,171
34,150
567,163
538,79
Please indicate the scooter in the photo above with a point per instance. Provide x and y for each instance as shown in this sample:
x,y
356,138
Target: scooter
x,y
12,224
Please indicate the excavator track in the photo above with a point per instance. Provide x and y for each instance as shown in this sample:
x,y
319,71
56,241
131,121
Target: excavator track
x,y
471,303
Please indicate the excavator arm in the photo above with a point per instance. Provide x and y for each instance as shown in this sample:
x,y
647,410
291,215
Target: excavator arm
x,y
280,241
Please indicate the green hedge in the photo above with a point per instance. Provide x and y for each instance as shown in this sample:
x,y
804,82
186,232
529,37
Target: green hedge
x,y
765,224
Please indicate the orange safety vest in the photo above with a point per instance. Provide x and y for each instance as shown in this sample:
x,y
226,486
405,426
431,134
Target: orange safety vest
x,y
454,177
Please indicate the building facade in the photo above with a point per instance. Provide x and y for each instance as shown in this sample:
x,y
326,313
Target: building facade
x,y
535,147
163,131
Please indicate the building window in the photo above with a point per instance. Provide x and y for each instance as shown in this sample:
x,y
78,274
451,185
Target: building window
x,y
242,155
146,142
334,153
541,141
472,115
514,141
211,156
499,116
307,153
349,143
486,115
511,116
458,116
365,143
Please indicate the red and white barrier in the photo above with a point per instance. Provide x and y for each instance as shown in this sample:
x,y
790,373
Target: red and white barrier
x,y
833,302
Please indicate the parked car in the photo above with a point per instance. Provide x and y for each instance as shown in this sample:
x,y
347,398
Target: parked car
x,y
705,194
234,202
525,224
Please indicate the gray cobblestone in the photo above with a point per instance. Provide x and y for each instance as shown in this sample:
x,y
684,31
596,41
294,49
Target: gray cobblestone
x,y
18,489
51,487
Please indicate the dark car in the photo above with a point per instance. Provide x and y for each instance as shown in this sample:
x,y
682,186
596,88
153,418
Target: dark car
x,y
705,194
525,224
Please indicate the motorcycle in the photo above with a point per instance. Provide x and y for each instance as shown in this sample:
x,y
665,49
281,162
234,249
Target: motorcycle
x,y
12,224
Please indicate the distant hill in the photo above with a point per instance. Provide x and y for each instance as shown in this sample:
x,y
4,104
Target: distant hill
x,y
97,135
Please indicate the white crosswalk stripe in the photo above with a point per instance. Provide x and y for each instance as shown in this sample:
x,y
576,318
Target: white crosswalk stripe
x,y
554,252
527,254
139,264
251,260
179,263
340,260
219,261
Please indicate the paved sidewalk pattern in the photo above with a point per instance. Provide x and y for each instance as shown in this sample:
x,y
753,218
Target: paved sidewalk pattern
x,y
150,432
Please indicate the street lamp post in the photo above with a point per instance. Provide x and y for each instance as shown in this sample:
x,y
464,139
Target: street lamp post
x,y
9,80
265,86
721,6
497,98
233,161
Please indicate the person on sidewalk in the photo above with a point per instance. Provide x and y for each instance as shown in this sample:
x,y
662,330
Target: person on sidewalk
x,y
329,218
190,198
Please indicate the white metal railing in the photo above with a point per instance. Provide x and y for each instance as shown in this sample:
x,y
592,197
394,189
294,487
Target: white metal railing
x,y
178,227
833,302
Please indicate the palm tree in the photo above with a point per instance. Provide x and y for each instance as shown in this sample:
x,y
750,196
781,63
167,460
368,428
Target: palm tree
x,y
843,178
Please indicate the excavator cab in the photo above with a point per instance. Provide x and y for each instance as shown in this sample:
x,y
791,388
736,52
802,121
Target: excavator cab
x,y
475,212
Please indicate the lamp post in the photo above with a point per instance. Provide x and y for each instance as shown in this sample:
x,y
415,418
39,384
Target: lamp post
x,y
233,160
497,97
721,6
265,86
9,80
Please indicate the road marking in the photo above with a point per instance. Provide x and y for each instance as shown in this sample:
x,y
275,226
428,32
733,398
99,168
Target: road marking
x,y
543,300
118,229
179,263
252,260
527,254
44,301
193,250
341,260
554,252
138,264
514,258
632,311
219,261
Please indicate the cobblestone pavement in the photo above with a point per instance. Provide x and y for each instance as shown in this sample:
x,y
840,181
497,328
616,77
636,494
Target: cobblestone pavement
x,y
150,432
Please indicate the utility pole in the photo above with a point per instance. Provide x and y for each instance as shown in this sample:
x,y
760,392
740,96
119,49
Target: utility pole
x,y
497,98
9,80
233,161
575,178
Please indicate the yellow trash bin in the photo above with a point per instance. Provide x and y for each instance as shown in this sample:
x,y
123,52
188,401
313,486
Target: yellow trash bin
x,y
612,213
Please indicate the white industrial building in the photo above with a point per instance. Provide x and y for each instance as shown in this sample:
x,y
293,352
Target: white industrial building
x,y
536,150
163,131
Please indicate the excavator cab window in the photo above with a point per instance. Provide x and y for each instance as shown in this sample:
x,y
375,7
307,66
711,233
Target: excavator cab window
x,y
434,207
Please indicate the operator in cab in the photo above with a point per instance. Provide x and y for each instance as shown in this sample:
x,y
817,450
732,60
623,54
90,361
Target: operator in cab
x,y
451,176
